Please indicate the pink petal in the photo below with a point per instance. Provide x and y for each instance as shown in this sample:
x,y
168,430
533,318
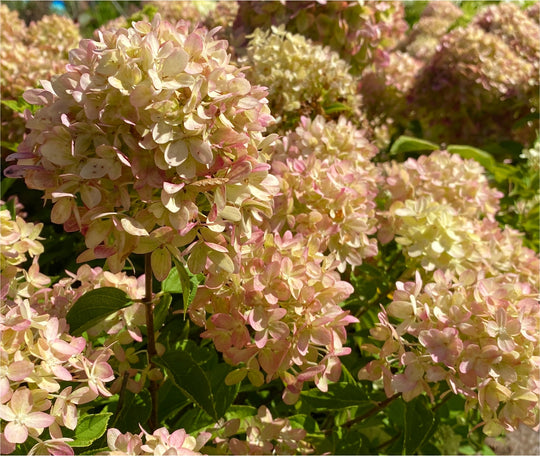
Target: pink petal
x,y
103,371
6,413
15,433
19,370
21,401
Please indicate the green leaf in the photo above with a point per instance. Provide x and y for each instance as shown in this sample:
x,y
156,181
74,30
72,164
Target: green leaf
x,y
194,421
419,424
161,310
170,400
197,374
12,146
136,410
481,156
339,396
10,206
335,107
6,183
94,306
240,412
172,283
409,144
349,442
181,280
15,105
89,428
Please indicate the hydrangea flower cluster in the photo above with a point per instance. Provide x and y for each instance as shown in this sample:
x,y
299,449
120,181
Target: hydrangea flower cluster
x,y
434,235
448,178
360,32
328,188
302,77
264,435
19,241
150,142
474,88
279,316
532,155
121,328
37,355
385,88
32,53
159,443
211,13
27,55
435,208
434,22
38,358
514,27
477,334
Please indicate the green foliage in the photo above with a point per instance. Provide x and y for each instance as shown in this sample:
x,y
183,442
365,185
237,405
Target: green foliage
x,y
339,396
413,10
407,145
135,411
181,280
89,428
196,372
94,306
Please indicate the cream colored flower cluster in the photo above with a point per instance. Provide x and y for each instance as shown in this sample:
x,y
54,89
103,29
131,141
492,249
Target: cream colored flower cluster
x,y
512,24
29,54
46,373
18,239
150,142
263,435
328,188
120,328
479,335
211,13
360,32
434,235
42,369
302,77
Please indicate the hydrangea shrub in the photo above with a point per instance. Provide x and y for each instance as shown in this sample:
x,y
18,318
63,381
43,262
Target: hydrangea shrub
x,y
291,242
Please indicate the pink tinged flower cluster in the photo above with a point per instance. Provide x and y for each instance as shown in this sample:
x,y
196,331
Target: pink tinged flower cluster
x,y
29,54
120,328
476,83
38,357
160,442
445,177
477,334
386,85
435,20
19,241
149,142
279,317
263,435
328,188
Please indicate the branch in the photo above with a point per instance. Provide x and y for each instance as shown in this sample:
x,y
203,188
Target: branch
x,y
148,303
372,412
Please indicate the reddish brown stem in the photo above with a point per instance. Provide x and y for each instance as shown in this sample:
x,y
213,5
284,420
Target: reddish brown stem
x,y
373,411
149,306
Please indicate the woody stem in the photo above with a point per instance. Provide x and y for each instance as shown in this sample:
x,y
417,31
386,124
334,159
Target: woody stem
x,y
149,307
